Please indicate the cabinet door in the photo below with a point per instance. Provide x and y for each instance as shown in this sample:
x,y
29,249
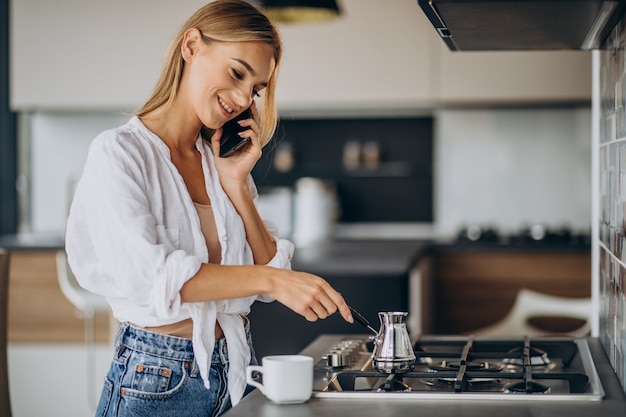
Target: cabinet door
x,y
38,311
474,289
513,77
375,55
78,55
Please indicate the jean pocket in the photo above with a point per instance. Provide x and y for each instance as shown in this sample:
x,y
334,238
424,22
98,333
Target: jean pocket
x,y
149,379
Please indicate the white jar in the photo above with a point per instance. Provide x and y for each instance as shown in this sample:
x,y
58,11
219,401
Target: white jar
x,y
315,210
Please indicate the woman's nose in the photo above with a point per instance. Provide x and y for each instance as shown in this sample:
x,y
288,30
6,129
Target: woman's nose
x,y
243,98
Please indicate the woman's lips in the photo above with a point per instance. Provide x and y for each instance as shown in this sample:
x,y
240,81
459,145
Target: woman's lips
x,y
228,111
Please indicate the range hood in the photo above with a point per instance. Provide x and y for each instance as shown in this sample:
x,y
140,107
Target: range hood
x,y
480,25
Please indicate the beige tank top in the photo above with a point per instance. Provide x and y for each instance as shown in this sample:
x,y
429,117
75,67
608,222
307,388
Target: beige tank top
x,y
209,230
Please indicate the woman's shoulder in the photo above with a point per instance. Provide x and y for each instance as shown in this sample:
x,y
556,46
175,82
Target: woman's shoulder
x,y
129,138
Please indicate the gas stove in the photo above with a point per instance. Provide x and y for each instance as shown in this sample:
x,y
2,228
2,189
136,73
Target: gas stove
x,y
527,236
462,368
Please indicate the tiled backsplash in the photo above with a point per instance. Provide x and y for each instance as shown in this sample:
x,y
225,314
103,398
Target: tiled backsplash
x,y
613,200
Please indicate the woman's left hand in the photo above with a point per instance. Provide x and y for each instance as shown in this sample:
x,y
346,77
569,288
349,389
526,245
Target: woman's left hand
x,y
235,168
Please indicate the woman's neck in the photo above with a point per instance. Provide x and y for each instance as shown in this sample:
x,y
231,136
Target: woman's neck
x,y
177,130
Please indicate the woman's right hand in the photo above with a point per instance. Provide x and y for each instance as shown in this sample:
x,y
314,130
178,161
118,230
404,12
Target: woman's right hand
x,y
308,295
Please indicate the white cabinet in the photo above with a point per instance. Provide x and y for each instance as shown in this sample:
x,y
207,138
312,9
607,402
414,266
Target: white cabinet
x,y
376,55
512,77
88,54
82,54
93,55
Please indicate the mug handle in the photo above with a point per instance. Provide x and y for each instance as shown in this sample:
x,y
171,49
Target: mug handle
x,y
250,380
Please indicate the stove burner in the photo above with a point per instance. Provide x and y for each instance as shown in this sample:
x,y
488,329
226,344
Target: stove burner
x,y
392,384
469,366
538,357
523,388
473,384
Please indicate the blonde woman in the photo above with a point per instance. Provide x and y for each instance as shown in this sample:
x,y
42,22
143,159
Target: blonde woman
x,y
168,232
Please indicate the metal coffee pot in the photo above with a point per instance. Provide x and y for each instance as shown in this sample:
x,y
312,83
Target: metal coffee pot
x,y
393,352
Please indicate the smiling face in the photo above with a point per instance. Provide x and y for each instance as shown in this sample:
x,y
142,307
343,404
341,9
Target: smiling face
x,y
220,79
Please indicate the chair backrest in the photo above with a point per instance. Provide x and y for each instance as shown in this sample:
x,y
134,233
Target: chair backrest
x,y
529,304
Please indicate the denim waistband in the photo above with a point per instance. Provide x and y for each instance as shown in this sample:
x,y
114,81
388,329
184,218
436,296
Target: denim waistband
x,y
163,345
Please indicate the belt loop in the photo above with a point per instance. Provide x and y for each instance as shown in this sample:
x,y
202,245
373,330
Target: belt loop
x,y
119,346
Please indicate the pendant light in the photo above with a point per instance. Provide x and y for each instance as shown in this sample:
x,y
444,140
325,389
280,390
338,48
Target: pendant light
x,y
300,11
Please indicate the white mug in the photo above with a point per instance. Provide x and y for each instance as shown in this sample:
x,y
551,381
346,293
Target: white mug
x,y
286,379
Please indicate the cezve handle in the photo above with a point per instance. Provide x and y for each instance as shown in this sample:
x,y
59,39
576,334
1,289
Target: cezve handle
x,y
362,320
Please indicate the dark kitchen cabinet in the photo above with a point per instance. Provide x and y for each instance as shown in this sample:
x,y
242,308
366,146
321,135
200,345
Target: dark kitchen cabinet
x,y
371,275
395,186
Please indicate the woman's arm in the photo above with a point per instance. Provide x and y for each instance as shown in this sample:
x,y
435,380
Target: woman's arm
x,y
260,241
304,293
234,172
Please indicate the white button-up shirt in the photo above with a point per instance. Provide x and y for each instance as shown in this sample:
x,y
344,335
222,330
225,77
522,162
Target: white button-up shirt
x,y
133,235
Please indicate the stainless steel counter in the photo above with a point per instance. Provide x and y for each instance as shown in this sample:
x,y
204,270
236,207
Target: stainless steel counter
x,y
613,405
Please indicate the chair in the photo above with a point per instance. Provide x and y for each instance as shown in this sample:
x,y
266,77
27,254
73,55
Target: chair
x,y
529,304
5,400
88,304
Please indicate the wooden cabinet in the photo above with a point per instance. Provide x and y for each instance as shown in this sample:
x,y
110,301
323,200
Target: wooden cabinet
x,y
473,289
38,310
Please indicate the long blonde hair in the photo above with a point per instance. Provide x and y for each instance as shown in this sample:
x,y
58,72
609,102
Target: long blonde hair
x,y
222,21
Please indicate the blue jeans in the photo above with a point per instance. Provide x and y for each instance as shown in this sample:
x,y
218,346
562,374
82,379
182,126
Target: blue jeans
x,y
153,374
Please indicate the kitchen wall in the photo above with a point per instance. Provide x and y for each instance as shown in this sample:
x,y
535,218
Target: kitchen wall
x,y
612,199
511,168
508,168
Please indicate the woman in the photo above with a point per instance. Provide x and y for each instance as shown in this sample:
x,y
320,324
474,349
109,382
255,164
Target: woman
x,y
168,231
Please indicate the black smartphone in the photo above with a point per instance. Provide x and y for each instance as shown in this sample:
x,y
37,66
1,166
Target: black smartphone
x,y
231,141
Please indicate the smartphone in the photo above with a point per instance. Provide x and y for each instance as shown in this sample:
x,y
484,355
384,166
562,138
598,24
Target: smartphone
x,y
231,141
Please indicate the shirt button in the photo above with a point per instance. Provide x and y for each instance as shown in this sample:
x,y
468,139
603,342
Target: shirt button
x,y
224,238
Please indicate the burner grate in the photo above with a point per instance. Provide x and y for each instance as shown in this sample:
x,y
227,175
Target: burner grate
x,y
566,349
577,382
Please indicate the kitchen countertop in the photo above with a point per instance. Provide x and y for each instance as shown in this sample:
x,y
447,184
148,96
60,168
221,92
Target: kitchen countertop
x,y
613,405
394,257
32,242
359,257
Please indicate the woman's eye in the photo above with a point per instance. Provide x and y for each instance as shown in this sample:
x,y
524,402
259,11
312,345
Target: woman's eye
x,y
237,75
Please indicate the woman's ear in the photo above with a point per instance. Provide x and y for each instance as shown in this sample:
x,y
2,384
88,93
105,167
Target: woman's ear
x,y
192,40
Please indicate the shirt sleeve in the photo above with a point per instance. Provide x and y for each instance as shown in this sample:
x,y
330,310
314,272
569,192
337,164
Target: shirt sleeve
x,y
116,247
